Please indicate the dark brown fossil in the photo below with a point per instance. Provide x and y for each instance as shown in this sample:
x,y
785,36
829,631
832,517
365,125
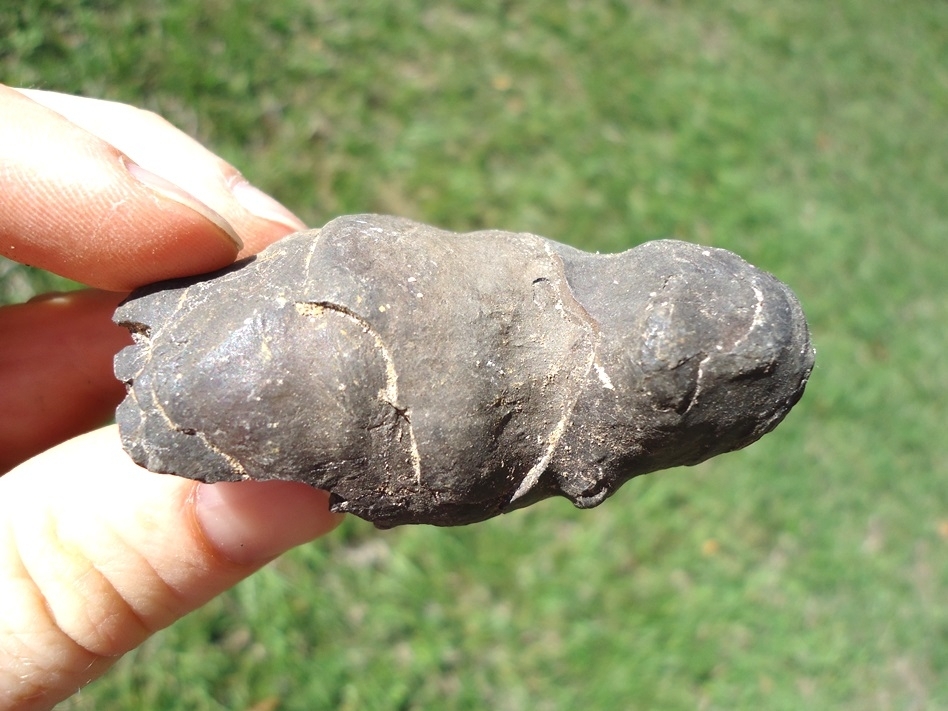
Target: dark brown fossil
x,y
424,376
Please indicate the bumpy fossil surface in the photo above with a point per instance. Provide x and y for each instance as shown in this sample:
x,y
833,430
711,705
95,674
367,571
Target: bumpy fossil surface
x,y
424,376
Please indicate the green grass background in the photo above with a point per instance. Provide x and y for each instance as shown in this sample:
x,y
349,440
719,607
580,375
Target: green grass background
x,y
808,571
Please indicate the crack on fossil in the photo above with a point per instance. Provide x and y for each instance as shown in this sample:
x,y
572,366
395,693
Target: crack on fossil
x,y
603,375
757,320
532,477
389,394
232,461
235,466
148,335
182,298
310,253
698,384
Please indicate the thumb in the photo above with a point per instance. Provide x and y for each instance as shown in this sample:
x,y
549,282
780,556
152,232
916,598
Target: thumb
x,y
96,554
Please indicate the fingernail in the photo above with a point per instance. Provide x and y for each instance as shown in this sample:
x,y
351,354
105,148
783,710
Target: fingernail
x,y
252,522
171,191
258,203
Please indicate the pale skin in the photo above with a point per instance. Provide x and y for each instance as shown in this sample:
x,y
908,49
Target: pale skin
x,y
96,554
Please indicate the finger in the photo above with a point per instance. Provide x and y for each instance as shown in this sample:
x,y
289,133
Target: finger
x,y
156,145
75,205
56,376
96,554
79,206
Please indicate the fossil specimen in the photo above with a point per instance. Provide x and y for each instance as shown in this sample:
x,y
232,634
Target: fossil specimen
x,y
424,376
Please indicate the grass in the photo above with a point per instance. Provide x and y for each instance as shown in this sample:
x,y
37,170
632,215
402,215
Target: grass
x,y
809,571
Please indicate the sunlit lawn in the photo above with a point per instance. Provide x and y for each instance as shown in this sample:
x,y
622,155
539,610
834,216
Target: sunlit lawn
x,y
808,571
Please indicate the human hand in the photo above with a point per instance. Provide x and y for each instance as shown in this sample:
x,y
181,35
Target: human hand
x,y
96,553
